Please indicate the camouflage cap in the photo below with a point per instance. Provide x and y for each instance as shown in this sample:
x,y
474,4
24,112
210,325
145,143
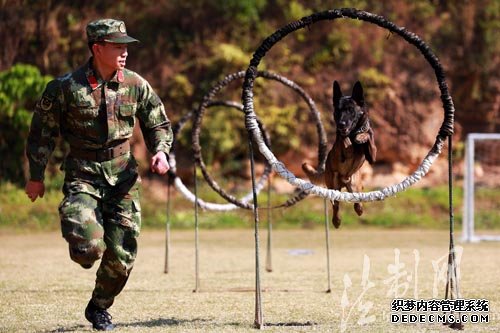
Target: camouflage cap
x,y
108,30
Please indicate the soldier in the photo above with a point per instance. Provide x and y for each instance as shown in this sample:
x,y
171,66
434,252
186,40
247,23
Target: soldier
x,y
94,109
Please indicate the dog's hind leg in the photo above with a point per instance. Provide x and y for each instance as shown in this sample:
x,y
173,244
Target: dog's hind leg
x,y
334,183
335,218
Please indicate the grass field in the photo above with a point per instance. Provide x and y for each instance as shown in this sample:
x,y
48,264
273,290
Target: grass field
x,y
417,208
41,290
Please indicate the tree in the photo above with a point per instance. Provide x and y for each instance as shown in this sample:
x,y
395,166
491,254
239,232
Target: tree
x,y
20,87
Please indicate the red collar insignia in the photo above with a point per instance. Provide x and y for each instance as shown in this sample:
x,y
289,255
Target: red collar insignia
x,y
91,77
92,81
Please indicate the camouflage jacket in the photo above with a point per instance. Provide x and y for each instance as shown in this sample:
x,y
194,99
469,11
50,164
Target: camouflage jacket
x,y
90,113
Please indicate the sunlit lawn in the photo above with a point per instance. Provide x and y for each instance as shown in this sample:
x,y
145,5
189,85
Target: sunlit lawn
x,y
43,291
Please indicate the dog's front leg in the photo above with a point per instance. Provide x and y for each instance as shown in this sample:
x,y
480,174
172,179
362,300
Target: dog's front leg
x,y
358,207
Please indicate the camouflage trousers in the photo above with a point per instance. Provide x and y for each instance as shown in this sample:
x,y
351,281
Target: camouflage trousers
x,y
101,221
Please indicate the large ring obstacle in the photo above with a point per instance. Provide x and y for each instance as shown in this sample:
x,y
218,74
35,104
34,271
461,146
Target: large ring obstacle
x,y
243,202
197,119
446,131
234,203
181,187
250,116
198,116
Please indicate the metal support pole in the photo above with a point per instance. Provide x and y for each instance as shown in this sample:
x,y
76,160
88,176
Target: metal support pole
x,y
196,237
452,283
167,231
468,229
259,321
269,259
468,218
327,233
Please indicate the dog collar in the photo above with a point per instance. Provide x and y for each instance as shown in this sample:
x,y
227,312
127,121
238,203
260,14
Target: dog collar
x,y
364,128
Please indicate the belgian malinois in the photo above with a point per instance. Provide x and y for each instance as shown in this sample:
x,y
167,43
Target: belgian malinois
x,y
354,143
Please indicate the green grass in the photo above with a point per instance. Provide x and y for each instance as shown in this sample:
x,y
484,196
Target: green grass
x,y
17,212
487,210
43,291
416,207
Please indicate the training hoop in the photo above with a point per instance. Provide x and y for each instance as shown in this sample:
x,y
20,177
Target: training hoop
x,y
446,129
179,185
197,118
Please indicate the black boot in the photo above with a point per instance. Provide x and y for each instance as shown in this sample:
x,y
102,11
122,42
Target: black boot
x,y
100,318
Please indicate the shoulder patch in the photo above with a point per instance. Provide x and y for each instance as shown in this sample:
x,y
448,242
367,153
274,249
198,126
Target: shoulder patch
x,y
45,103
50,94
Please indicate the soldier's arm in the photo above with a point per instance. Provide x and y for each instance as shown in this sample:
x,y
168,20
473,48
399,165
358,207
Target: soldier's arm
x,y
43,131
155,125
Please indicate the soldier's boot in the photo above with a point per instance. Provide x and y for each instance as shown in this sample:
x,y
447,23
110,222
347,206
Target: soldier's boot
x,y
100,318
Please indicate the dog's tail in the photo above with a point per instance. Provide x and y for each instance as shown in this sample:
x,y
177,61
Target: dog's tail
x,y
316,177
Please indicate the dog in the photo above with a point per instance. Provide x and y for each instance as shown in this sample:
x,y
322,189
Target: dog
x,y
354,143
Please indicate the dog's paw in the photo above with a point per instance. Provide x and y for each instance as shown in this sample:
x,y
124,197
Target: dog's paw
x,y
347,142
362,138
358,208
336,222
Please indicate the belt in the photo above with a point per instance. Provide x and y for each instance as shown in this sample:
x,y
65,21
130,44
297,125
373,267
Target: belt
x,y
101,155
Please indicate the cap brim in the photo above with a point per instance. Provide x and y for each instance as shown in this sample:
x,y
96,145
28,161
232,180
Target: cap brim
x,y
121,40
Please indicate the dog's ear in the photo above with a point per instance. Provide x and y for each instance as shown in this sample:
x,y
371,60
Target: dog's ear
x,y
337,94
357,94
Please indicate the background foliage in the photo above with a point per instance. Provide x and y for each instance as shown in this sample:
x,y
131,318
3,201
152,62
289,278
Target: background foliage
x,y
186,46
20,87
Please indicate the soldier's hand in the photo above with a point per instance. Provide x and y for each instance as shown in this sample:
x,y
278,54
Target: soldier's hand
x,y
159,163
34,189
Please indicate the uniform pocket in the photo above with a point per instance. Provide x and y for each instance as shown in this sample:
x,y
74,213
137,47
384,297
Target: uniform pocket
x,y
126,115
127,110
82,110
136,207
81,119
88,113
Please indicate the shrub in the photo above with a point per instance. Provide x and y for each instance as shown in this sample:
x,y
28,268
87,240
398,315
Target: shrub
x,y
20,87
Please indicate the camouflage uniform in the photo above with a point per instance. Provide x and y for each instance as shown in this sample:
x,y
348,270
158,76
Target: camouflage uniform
x,y
100,212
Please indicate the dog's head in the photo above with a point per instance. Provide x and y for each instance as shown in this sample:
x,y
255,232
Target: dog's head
x,y
348,110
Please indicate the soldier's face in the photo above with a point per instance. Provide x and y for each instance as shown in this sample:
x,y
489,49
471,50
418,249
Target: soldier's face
x,y
112,55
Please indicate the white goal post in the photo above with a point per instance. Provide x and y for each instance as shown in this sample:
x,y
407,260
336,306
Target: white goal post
x,y
468,230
